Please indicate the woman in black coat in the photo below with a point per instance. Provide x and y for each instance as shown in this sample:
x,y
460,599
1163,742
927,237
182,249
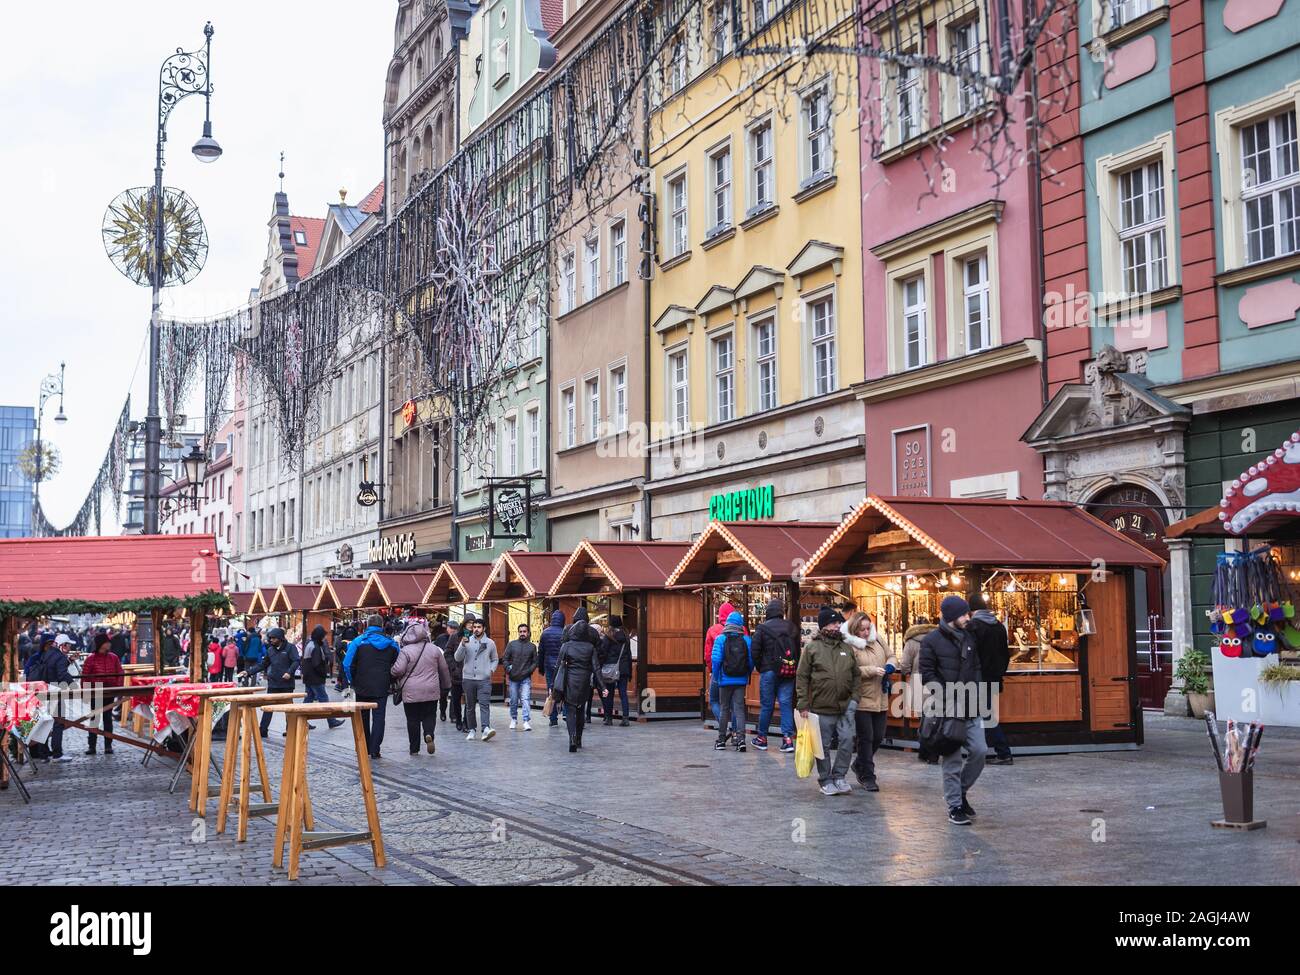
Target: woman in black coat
x,y
615,649
581,664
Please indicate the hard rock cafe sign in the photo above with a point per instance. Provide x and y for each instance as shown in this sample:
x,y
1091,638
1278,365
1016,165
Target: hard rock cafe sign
x,y
393,548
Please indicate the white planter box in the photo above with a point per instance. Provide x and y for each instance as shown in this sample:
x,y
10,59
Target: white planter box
x,y
1239,695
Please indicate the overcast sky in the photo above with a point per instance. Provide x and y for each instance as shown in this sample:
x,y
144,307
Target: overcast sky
x,y
78,97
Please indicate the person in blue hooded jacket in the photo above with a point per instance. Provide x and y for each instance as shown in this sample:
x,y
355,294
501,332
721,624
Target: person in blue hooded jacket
x,y
548,654
368,667
732,670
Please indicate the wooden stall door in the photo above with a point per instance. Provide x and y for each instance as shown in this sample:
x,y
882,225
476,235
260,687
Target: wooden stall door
x,y
1109,679
498,620
669,651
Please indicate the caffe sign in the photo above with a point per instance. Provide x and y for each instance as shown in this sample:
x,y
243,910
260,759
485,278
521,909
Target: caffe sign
x,y
393,548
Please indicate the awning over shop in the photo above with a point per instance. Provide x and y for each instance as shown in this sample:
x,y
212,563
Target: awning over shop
x,y
618,566
973,531
240,602
1265,497
522,575
265,596
293,598
457,582
339,594
750,552
395,589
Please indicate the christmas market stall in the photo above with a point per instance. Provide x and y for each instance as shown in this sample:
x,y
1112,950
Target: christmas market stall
x,y
1242,579
748,564
394,593
341,600
1058,578
516,591
295,605
630,580
455,588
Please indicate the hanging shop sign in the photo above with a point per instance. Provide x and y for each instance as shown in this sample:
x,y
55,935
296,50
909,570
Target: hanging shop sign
x,y
408,412
345,554
395,548
747,504
912,462
367,496
476,543
508,506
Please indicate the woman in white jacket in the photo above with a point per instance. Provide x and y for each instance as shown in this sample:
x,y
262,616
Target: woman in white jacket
x,y
875,662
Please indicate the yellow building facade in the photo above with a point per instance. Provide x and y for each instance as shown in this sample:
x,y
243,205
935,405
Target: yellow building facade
x,y
756,302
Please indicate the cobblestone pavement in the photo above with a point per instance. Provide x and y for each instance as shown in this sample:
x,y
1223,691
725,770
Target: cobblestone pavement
x,y
653,804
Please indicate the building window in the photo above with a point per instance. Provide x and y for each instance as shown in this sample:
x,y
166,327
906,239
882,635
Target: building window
x,y
721,29
1142,229
592,391
821,315
724,378
568,412
510,446
911,102
765,364
975,293
915,352
720,189
617,253
676,80
677,223
534,439
618,391
964,52
591,266
762,11
679,391
568,283
762,181
817,153
300,238
1270,187
1126,11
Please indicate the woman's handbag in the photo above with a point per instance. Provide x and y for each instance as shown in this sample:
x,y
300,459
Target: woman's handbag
x,y
397,690
549,707
609,673
561,679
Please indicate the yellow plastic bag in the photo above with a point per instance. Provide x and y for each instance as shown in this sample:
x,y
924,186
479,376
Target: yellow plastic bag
x,y
803,752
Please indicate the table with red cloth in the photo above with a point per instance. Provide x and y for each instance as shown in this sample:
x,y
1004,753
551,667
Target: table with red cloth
x,y
172,699
19,704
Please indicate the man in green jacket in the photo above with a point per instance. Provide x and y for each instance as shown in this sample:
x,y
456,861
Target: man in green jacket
x,y
826,684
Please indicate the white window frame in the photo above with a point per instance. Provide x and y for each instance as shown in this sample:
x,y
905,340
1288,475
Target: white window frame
x,y
533,414
1279,192
1110,170
591,267
758,322
960,97
722,393
980,293
591,405
817,141
510,444
754,166
617,252
618,391
1233,187
720,197
896,278
814,343
677,219
678,388
568,281
569,416
719,33
909,103
1149,234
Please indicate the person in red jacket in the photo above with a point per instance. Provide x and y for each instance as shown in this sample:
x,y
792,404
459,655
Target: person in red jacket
x,y
216,661
103,668
715,702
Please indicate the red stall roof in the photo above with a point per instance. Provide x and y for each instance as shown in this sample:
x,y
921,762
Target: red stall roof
x,y
977,531
339,594
241,601
727,551
457,582
395,589
265,596
292,598
598,566
108,568
523,575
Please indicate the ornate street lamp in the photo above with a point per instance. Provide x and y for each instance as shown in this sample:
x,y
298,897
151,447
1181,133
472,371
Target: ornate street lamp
x,y
44,460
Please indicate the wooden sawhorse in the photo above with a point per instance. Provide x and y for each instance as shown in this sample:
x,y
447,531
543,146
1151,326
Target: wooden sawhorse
x,y
295,806
243,743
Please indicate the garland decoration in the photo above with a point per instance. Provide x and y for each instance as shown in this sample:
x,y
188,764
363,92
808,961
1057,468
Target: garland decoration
x,y
210,601
110,480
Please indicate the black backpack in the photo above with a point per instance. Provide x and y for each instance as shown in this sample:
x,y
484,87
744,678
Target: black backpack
x,y
788,663
735,656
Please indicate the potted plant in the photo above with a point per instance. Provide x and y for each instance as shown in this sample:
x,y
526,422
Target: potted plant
x,y
1193,672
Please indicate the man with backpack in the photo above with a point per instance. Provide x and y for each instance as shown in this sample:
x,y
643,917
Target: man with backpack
x,y
733,662
950,668
776,655
827,684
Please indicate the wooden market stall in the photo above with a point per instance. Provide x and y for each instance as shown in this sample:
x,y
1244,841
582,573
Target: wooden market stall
x,y
295,604
455,588
630,579
341,598
748,564
385,591
517,590
1060,579
241,603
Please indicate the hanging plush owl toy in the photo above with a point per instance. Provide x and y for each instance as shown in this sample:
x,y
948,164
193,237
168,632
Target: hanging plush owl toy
x,y
1263,643
1230,646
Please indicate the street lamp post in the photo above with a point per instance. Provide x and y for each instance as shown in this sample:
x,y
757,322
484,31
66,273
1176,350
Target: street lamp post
x,y
51,386
182,74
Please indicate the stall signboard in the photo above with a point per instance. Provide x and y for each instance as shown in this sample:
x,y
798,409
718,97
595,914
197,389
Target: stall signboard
x,y
747,504
143,640
394,548
509,503
912,462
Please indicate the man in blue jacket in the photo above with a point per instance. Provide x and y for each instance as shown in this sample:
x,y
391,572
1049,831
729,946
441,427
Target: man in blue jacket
x,y
548,654
248,642
733,662
367,666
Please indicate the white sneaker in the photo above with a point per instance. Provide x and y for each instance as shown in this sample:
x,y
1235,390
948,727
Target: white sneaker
x,y
512,724
828,789
842,787
488,733
470,736
528,726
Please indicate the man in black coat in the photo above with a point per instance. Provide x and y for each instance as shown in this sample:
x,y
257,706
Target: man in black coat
x,y
280,666
992,646
950,667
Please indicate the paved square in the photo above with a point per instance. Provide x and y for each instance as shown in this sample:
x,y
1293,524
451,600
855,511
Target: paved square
x,y
654,804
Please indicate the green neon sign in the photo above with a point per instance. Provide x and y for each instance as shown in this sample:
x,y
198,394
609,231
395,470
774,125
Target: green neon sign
x,y
747,504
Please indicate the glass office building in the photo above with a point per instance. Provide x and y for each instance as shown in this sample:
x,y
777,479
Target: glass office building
x,y
17,430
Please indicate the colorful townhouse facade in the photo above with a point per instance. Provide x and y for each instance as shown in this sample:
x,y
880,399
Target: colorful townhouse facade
x,y
756,304
1172,239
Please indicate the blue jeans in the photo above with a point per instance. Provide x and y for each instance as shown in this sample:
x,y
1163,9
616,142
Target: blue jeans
x,y
715,700
773,689
521,693
996,739
315,692
608,706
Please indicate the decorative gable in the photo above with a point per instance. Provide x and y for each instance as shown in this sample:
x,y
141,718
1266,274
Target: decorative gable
x,y
815,254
